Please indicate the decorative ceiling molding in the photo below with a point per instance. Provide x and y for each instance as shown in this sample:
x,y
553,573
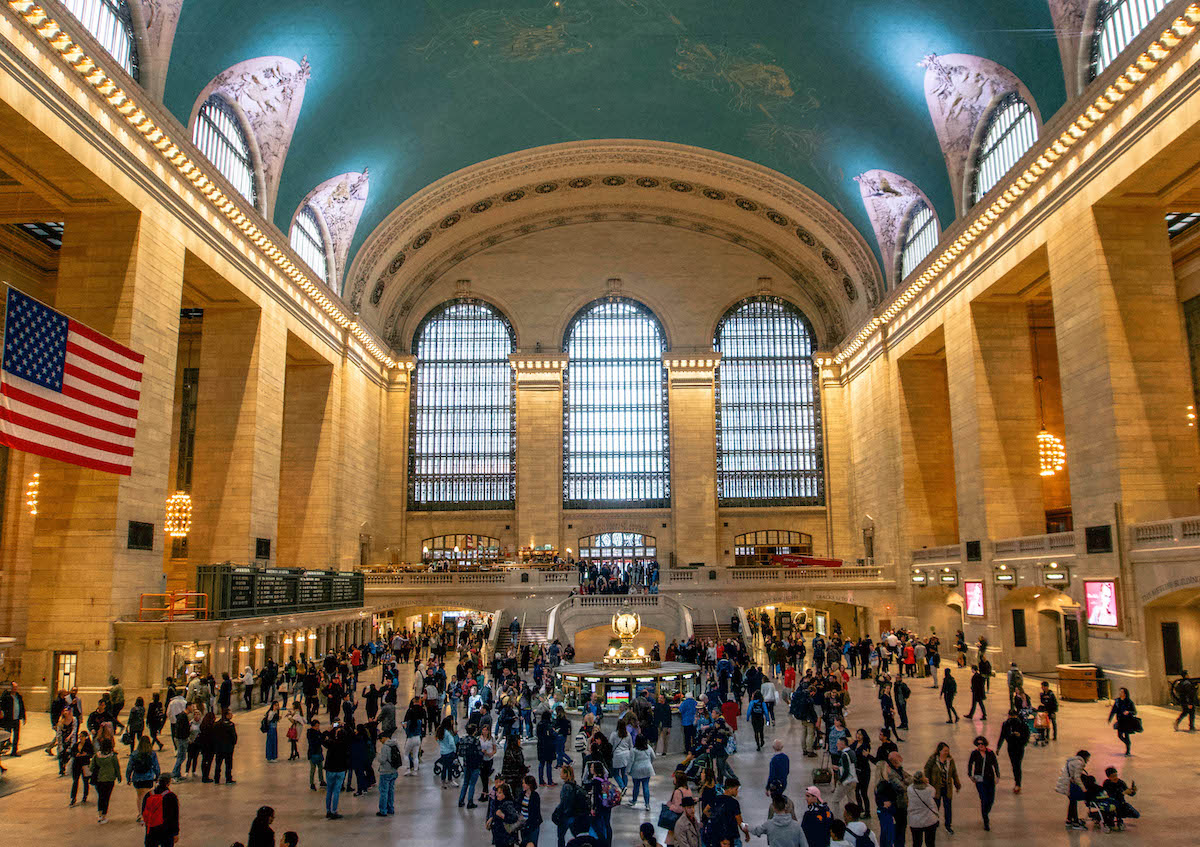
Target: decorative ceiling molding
x,y
1074,39
685,181
889,198
959,90
805,271
158,20
269,92
340,200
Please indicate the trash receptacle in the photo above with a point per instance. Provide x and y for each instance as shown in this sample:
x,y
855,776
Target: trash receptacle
x,y
1078,681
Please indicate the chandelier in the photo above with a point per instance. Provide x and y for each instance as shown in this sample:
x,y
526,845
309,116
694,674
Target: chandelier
x,y
31,493
1051,454
179,514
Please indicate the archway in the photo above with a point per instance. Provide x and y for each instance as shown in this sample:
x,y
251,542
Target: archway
x,y
1032,623
592,643
940,613
1172,639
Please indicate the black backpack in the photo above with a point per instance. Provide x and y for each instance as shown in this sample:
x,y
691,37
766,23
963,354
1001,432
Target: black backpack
x,y
395,756
183,727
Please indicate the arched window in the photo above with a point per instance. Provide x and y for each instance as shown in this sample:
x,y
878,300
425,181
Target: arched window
x,y
769,448
308,241
462,431
1118,22
1011,131
615,409
109,23
219,135
920,237
461,549
756,549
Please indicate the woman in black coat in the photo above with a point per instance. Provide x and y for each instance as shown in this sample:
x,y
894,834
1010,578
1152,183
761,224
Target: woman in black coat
x,y
1125,712
261,834
545,749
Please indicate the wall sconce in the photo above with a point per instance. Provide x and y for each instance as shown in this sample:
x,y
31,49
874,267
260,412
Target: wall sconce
x,y
1056,576
242,648
259,646
199,654
1005,576
919,577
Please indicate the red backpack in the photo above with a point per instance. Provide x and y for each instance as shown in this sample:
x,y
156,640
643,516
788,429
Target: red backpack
x,y
152,810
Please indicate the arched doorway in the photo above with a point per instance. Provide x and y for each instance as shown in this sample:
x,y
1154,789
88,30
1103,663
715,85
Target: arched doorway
x,y
1033,623
1172,639
940,613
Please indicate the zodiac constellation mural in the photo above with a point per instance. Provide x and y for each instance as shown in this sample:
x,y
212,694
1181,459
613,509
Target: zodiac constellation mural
x,y
509,35
749,76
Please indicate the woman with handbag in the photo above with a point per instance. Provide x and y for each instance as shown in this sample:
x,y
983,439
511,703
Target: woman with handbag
x,y
1127,722
923,815
81,765
571,814
671,811
505,822
106,773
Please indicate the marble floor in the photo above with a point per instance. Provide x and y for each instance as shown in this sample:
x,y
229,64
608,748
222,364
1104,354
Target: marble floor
x,y
1165,764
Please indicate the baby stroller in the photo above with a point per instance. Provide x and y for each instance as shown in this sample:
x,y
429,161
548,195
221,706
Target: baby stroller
x,y
1041,728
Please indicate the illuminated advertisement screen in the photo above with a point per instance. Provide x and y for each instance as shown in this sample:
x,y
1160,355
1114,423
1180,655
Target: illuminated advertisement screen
x,y
615,696
974,592
1100,598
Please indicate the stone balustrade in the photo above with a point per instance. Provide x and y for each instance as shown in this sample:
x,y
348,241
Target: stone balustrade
x,y
1034,546
947,554
1156,535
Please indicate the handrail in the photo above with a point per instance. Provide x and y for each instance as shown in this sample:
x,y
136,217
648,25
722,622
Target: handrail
x,y
1033,546
176,605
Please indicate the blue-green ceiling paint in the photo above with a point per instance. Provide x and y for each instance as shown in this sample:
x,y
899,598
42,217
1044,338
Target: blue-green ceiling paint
x,y
415,90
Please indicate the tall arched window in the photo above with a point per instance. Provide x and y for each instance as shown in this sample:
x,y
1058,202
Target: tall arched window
x,y
920,237
1011,131
109,23
219,135
462,431
615,409
1118,22
308,241
769,448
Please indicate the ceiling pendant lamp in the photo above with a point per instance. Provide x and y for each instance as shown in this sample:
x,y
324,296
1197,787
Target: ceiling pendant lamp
x,y
179,514
1052,454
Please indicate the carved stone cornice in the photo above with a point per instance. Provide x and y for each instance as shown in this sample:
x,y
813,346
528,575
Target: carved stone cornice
x,y
539,371
694,369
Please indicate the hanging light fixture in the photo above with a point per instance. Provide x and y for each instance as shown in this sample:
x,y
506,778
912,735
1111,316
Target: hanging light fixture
x,y
179,514
1052,455
31,493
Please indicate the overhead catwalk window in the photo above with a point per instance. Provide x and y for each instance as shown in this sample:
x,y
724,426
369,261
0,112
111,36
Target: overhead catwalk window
x,y
219,135
769,447
617,548
615,450
461,549
757,548
1180,222
110,23
1118,22
920,238
462,432
48,232
308,241
1011,131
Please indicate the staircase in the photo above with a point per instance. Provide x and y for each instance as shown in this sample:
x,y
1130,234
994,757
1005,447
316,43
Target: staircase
x,y
532,631
717,628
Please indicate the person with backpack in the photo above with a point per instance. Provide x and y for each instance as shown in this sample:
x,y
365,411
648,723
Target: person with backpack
x,y
390,759
471,752
571,814
845,773
142,770
605,796
781,829
857,833
160,814
756,715
724,817
1016,680
1185,691
1015,732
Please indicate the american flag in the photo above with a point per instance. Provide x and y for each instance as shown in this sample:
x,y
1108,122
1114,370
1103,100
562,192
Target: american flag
x,y
66,391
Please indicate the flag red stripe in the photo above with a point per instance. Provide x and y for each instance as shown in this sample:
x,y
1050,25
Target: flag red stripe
x,y
65,434
63,455
12,391
98,402
104,341
96,359
100,382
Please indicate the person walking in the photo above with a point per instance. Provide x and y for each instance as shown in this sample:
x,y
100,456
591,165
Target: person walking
x,y
978,694
546,752
224,741
1127,722
622,754
142,770
571,814
471,752
779,769
923,818
389,760
984,770
845,775
1072,786
942,773
641,769
160,813
82,752
1016,680
686,832
781,829
948,691
13,716
817,819
531,812
756,714
674,805
106,773
261,834
414,722
1185,691
316,754
448,749
1015,732
156,718
337,762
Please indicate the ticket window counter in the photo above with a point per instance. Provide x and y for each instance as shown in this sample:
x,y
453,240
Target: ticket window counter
x,y
616,692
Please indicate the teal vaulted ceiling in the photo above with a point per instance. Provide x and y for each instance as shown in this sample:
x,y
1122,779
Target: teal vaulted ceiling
x,y
817,90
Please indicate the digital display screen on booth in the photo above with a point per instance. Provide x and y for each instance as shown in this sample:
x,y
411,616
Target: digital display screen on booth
x,y
974,594
1100,599
616,695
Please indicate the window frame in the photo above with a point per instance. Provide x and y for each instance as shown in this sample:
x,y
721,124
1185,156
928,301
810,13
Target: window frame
x,y
910,236
1108,11
725,477
245,156
508,478
656,478
470,555
118,12
986,151
318,242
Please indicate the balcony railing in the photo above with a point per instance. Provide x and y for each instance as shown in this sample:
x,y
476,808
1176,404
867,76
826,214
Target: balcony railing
x,y
947,554
1157,535
834,575
1034,546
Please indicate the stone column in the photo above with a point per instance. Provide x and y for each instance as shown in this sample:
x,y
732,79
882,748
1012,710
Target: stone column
x,y
121,273
239,428
1124,368
994,421
691,396
927,453
393,472
835,431
539,448
307,476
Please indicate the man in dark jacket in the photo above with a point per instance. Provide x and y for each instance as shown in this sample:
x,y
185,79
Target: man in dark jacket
x,y
225,693
160,812
224,740
978,692
1016,732
12,715
1050,707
